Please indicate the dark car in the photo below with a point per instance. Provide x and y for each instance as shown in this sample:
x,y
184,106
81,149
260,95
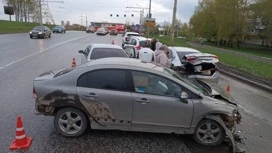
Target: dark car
x,y
90,30
113,32
40,32
59,29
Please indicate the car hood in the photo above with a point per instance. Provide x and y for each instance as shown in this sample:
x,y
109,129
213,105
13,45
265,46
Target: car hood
x,y
219,93
36,31
199,58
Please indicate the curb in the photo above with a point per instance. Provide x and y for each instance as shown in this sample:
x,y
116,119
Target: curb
x,y
250,82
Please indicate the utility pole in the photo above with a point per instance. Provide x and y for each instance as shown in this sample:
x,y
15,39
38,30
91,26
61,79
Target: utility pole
x,y
173,24
86,21
149,15
40,4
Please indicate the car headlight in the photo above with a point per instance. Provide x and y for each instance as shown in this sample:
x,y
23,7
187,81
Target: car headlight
x,y
40,32
30,32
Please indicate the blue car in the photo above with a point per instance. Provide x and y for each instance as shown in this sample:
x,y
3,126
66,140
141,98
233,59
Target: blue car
x,y
59,29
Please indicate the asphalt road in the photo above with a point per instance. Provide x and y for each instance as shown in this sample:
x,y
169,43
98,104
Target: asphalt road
x,y
22,59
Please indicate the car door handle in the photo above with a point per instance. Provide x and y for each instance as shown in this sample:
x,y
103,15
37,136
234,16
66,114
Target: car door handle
x,y
143,100
91,95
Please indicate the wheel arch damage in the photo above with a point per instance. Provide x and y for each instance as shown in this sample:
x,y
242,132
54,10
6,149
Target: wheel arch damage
x,y
237,143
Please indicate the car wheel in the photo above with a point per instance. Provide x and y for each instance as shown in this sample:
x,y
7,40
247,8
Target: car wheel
x,y
71,122
31,37
209,132
49,36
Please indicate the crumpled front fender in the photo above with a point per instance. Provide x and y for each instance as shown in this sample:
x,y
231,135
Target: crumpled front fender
x,y
238,145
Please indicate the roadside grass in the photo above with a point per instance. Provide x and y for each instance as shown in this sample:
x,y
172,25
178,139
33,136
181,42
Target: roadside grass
x,y
247,48
7,27
255,68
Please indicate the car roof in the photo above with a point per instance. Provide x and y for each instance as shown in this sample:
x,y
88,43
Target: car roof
x,y
140,38
132,33
184,49
123,62
105,46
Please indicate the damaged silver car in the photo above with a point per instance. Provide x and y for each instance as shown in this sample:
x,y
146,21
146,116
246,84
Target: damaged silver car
x,y
130,95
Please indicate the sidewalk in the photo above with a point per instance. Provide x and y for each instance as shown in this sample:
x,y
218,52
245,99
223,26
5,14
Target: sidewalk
x,y
249,56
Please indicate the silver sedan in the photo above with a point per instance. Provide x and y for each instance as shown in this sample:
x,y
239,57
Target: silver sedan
x,y
130,95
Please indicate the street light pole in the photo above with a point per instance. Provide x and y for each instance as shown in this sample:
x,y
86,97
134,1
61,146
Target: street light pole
x,y
149,15
40,4
173,24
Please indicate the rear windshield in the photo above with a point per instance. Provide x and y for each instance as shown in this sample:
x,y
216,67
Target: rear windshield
x,y
143,43
182,54
107,52
132,34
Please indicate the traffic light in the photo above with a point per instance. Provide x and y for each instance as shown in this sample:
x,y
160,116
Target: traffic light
x,y
111,15
132,15
125,15
117,15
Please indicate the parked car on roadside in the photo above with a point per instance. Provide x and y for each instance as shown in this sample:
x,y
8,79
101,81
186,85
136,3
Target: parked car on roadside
x,y
101,31
130,95
59,29
40,32
195,64
90,30
137,42
96,51
126,37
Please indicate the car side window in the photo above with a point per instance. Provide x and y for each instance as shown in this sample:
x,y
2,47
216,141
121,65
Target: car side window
x,y
130,51
100,79
155,85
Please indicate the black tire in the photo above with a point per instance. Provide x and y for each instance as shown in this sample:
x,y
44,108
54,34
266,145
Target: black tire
x,y
31,37
213,126
49,36
84,123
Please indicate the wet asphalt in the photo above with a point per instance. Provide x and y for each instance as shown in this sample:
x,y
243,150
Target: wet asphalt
x,y
22,59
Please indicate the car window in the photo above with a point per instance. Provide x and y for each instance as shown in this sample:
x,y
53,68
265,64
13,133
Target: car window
x,y
133,42
143,43
130,51
39,28
132,35
107,52
100,80
182,54
155,85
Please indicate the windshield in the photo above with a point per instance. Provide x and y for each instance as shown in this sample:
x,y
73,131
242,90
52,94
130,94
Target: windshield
x,y
39,28
190,82
58,27
107,52
143,43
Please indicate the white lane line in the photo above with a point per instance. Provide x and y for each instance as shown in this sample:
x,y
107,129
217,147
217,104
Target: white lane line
x,y
266,58
41,51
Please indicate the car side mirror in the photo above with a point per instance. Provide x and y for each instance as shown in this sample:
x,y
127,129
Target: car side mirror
x,y
184,97
81,51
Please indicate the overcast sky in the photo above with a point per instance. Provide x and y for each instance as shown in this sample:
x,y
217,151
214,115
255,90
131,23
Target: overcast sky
x,y
100,10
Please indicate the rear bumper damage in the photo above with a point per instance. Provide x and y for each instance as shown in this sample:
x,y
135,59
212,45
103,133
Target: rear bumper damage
x,y
237,143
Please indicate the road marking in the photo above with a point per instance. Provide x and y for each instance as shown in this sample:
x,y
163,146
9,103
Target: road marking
x,y
266,58
23,58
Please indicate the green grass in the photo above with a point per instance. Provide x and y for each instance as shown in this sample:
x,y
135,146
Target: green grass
x,y
7,27
255,68
249,49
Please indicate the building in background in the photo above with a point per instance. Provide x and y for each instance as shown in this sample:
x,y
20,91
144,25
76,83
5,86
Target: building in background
x,y
68,23
62,23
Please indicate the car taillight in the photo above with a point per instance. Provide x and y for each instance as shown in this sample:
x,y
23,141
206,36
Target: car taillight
x,y
127,38
34,93
138,47
216,69
216,57
191,59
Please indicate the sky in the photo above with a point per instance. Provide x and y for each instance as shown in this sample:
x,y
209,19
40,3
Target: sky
x,y
100,10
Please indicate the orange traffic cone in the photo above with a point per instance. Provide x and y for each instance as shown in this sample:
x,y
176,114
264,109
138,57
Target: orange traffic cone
x,y
21,141
74,62
112,42
228,89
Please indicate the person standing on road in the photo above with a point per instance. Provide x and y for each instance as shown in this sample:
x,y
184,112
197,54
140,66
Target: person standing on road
x,y
161,54
146,54
153,44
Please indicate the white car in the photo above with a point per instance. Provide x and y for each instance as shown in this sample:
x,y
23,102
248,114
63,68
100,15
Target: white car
x,y
196,64
101,31
137,42
97,51
126,37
